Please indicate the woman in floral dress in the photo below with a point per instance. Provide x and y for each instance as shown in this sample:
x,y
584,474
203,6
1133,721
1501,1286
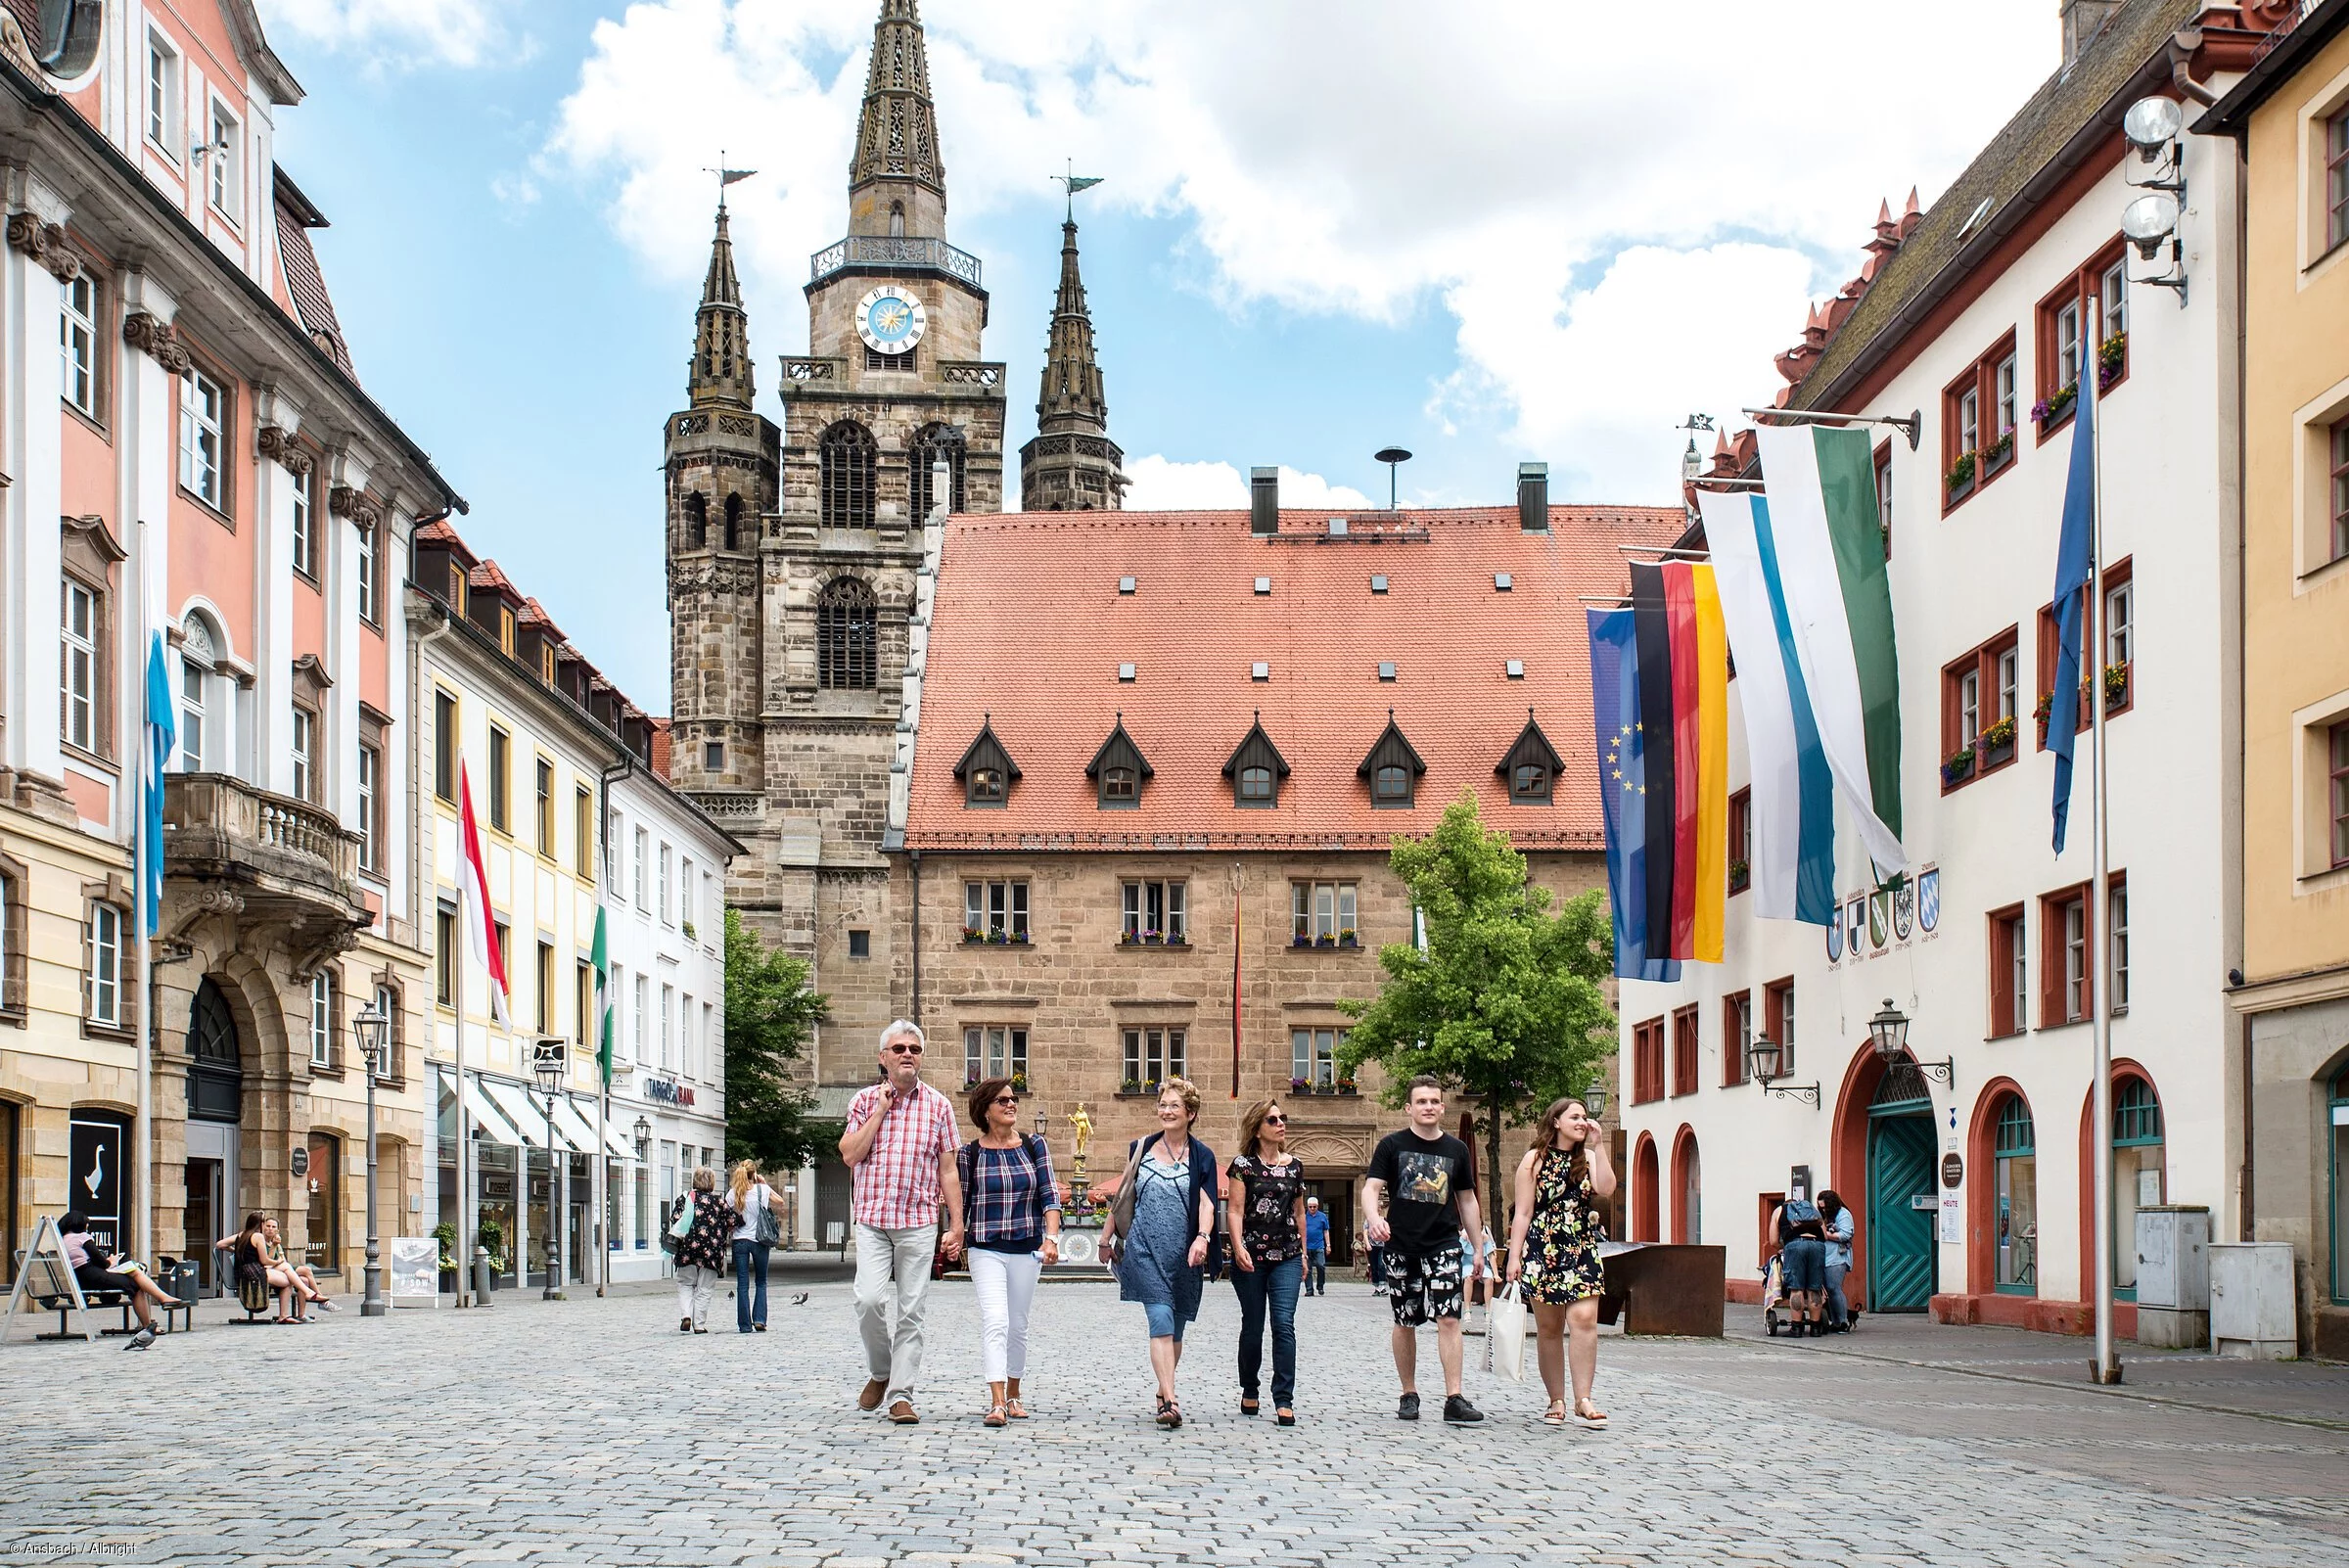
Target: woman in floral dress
x,y
1562,1183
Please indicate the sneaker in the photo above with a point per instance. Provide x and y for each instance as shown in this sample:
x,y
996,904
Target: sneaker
x,y
1407,1407
1459,1413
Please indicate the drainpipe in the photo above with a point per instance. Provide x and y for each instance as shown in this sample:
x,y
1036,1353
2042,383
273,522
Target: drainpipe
x,y
422,901
602,1089
2245,1178
914,858
2183,45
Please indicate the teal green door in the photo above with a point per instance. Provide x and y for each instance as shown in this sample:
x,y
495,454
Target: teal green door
x,y
1900,1231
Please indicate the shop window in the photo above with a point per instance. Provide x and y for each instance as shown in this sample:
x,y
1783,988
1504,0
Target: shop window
x,y
2017,1198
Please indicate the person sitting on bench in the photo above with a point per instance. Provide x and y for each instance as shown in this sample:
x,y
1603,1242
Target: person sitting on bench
x,y
274,1244
250,1246
93,1265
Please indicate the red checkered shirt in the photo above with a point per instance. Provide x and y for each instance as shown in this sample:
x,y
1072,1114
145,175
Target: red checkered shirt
x,y
897,1184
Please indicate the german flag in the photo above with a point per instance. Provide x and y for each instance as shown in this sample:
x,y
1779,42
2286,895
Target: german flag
x,y
1684,725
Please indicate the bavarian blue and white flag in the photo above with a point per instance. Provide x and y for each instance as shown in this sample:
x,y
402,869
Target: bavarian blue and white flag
x,y
159,732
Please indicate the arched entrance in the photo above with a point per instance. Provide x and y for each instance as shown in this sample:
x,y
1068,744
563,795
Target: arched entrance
x,y
1901,1198
1646,1186
1688,1205
215,1107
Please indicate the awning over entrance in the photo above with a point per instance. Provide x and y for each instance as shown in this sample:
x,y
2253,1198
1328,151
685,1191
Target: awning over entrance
x,y
488,1120
529,1119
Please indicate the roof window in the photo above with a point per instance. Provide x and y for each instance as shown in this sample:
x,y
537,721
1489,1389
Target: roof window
x,y
1260,670
1378,583
1501,583
1337,527
1125,673
1124,584
1386,670
1517,669
1264,584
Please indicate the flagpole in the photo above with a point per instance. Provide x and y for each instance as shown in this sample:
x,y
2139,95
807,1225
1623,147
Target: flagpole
x,y
2107,1366
143,1138
464,1180
603,1180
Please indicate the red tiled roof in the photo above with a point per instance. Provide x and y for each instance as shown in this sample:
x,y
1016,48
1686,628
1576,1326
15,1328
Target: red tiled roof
x,y
442,532
534,614
307,283
1030,629
661,747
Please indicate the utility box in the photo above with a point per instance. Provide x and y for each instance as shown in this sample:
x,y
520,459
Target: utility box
x,y
2173,1277
2252,1311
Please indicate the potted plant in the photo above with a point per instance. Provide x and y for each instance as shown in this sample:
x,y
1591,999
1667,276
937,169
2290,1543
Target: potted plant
x,y
1960,478
1998,452
1740,873
446,1235
491,1238
1346,1085
1997,741
1152,938
1130,939
2046,707
1019,1082
1296,1085
2053,409
1131,1086
1325,940
1345,938
1958,767
1300,939
2111,356
972,934
2116,686
689,934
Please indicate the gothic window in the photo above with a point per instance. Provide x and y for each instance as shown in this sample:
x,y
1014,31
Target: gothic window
x,y
933,442
986,769
848,460
845,635
1255,771
733,521
1118,770
896,220
696,520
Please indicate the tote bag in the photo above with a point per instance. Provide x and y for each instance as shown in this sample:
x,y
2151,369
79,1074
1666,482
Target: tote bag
x,y
765,1230
682,1225
1505,1335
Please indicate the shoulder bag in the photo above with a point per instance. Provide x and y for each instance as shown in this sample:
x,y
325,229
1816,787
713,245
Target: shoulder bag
x,y
765,1229
1121,1206
682,1225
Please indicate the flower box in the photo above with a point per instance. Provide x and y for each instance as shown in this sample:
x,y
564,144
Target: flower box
x,y
975,937
2116,686
2112,357
1994,745
1741,876
1297,1086
1960,480
1999,453
2049,412
1958,767
1346,1085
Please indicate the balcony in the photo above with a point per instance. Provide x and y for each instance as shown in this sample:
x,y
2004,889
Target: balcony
x,y
893,251
285,859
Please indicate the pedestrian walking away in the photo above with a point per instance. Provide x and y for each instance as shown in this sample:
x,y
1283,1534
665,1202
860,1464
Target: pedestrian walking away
x,y
1419,1196
1317,1249
899,1149
1840,1229
710,1222
1268,1253
755,1232
1011,1230
1563,1183
1162,1228
1803,1257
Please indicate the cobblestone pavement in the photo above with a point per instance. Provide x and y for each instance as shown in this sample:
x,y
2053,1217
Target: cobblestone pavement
x,y
593,1432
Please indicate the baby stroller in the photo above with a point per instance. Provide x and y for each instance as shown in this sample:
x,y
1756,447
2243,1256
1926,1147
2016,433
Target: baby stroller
x,y
1773,1297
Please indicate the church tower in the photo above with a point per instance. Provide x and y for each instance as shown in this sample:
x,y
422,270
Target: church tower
x,y
722,464
891,390
1072,465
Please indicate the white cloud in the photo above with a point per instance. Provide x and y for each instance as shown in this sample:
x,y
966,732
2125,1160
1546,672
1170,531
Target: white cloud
x,y
405,33
1620,214
1156,483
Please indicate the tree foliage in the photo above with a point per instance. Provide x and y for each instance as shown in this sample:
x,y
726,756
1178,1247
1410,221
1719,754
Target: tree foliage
x,y
771,1013
1506,1004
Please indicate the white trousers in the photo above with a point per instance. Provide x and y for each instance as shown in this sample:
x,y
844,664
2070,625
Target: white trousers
x,y
893,1268
695,1286
1006,1285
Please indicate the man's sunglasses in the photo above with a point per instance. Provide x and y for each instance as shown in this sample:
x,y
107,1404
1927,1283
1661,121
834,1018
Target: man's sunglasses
x,y
906,1050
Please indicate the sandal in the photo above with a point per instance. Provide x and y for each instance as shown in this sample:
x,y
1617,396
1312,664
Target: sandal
x,y
995,1417
1015,1410
1285,1417
1588,1414
1170,1414
1555,1415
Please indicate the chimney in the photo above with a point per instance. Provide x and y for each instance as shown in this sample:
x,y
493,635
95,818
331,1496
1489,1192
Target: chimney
x,y
1532,497
2083,20
1263,500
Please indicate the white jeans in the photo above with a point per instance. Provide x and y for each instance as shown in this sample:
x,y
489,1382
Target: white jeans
x,y
1006,1286
894,1266
695,1286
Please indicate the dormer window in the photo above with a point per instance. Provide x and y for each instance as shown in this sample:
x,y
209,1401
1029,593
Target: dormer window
x,y
1118,771
1256,769
1393,769
985,770
1531,767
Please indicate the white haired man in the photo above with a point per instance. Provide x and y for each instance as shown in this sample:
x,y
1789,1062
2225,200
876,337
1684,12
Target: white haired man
x,y
899,1147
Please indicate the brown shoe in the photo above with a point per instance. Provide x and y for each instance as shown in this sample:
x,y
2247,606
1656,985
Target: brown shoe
x,y
901,1413
869,1397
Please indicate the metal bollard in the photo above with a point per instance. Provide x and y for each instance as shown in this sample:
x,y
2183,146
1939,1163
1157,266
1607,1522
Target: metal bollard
x,y
482,1281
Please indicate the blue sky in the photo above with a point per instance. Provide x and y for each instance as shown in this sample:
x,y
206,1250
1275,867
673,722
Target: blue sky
x,y
1486,232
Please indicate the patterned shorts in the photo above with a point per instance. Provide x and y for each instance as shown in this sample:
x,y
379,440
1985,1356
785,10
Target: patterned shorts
x,y
1423,1288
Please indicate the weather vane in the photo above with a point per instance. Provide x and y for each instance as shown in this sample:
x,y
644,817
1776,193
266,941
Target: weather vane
x,y
1075,182
1695,422
727,176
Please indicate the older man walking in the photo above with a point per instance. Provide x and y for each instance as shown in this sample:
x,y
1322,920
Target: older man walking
x,y
900,1145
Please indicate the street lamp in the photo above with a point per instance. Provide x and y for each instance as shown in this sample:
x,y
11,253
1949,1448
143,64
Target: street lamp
x,y
548,1069
643,1130
369,1030
1889,1028
1766,1061
1595,1099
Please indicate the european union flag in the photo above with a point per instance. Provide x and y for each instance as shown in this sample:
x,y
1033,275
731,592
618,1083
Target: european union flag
x,y
1622,793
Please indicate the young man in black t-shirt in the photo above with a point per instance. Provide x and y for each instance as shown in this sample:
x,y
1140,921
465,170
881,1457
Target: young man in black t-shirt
x,y
1419,1196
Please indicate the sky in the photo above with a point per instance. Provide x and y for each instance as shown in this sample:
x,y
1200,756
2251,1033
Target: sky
x,y
1488,231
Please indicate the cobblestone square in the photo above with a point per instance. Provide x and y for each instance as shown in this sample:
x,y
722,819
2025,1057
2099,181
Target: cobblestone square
x,y
593,1432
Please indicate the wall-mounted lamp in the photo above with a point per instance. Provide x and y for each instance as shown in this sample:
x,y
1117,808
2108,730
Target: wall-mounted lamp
x,y
2152,126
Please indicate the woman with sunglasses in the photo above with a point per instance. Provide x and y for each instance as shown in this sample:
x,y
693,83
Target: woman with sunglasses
x,y
1268,1253
1011,1229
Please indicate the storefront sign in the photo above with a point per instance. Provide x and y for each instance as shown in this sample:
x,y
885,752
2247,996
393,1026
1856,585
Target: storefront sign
x,y
415,1269
299,1162
666,1093
1953,1170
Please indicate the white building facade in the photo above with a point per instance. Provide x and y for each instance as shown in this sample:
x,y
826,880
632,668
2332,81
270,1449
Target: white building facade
x,y
1970,313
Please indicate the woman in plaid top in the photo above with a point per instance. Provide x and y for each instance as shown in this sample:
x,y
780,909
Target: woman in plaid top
x,y
1011,1221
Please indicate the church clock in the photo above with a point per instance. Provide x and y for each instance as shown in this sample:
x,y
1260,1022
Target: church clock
x,y
890,320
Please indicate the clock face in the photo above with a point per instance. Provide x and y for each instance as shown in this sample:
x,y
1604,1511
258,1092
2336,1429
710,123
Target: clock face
x,y
890,320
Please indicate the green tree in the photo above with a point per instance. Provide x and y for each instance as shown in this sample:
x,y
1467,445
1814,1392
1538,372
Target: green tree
x,y
771,1013
1506,1002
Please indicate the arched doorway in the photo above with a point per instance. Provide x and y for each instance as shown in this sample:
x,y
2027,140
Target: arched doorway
x,y
215,1107
1901,1198
1687,1207
1646,1186
2140,1176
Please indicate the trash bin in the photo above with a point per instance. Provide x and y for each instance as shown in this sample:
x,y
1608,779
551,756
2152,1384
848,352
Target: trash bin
x,y
179,1278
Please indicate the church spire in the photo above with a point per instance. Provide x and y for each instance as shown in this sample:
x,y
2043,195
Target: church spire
x,y
722,348
897,134
1072,465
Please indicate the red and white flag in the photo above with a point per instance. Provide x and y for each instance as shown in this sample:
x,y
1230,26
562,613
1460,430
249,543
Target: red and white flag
x,y
473,892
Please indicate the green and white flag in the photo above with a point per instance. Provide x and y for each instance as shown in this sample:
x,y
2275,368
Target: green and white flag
x,y
1821,485
602,959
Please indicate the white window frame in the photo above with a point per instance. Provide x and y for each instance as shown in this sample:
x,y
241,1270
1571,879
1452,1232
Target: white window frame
x,y
2010,668
1969,708
2019,962
2006,386
370,762
101,978
993,1050
2120,623
78,670
322,1019
305,528
995,907
665,858
222,179
1154,1053
2067,345
1970,419
363,566
202,438
193,711
2075,959
669,1007
1314,1056
387,1002
643,888
2117,939
2112,300
1168,899
162,92
305,753
77,341
1321,908
644,1005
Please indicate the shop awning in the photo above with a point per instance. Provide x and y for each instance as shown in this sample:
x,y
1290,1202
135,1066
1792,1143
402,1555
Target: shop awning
x,y
491,1121
573,1126
527,1117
